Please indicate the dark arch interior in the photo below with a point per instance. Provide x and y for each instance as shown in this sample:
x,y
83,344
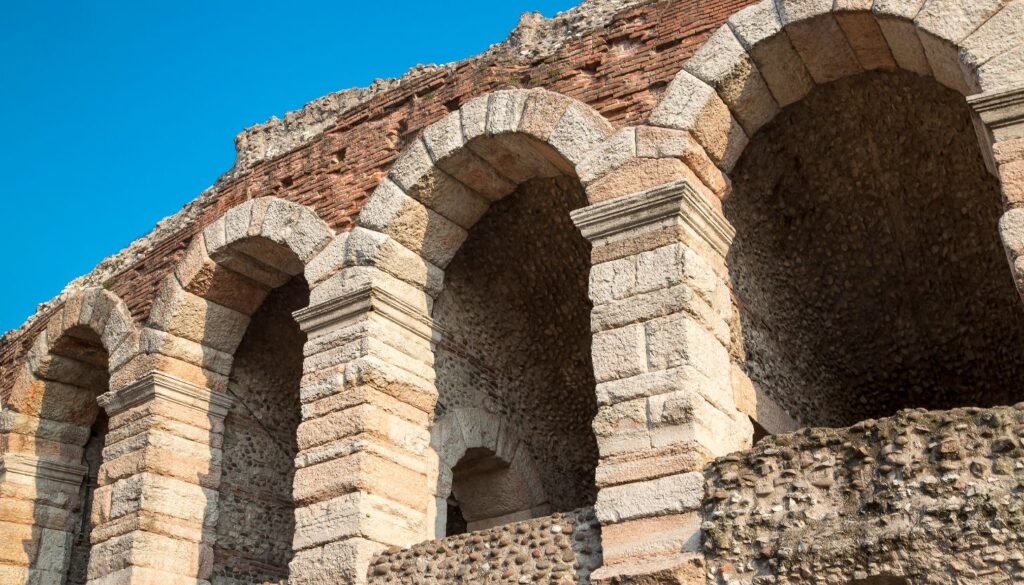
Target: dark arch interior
x,y
256,520
78,360
867,268
515,318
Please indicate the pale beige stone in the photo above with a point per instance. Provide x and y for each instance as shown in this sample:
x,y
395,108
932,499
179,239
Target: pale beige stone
x,y
760,31
690,104
671,494
724,64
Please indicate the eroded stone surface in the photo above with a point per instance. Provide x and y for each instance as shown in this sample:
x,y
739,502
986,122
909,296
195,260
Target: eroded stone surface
x,y
563,548
930,497
867,263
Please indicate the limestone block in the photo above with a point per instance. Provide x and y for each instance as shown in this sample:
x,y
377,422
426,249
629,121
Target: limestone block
x,y
724,64
505,111
619,353
478,175
620,418
640,174
998,35
202,276
542,112
759,29
369,248
355,515
678,340
614,280
659,303
296,226
204,356
578,132
690,104
864,34
1011,232
655,142
362,418
411,165
237,220
519,158
362,472
897,9
608,156
819,40
1003,71
149,550
683,379
671,494
901,36
644,538
151,493
444,137
480,429
390,211
474,118
942,25
329,261
186,315
344,562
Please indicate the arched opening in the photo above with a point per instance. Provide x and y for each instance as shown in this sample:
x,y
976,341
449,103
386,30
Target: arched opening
x,y
74,374
256,519
867,268
515,323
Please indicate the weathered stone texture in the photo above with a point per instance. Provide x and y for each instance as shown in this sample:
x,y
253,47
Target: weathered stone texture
x,y
873,274
930,497
515,322
564,548
256,515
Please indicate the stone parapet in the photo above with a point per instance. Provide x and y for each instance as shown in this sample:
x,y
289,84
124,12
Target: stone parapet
x,y
919,496
563,548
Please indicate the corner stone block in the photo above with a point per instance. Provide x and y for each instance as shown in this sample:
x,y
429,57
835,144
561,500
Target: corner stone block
x,y
1000,34
390,211
759,29
724,64
690,104
672,494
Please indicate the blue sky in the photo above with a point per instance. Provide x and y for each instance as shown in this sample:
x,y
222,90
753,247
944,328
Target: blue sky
x,y
118,113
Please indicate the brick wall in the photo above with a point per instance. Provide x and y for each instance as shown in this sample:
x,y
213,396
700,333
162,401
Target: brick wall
x,y
620,70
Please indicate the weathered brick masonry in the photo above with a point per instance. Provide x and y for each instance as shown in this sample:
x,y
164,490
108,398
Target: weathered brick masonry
x,y
620,70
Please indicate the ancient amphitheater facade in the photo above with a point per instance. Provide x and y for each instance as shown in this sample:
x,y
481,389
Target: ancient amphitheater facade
x,y
681,292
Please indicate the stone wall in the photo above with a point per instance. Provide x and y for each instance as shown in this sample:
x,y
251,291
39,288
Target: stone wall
x,y
933,497
562,548
256,518
867,265
515,320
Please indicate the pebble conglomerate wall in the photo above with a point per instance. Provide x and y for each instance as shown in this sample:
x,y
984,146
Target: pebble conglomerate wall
x,y
933,497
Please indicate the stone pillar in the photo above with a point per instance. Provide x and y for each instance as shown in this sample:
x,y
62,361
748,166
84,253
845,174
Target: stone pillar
x,y
999,121
40,482
660,350
361,479
155,509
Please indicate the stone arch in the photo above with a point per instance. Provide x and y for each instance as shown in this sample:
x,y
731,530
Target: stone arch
x,y
54,430
95,313
223,320
446,180
203,308
380,304
520,494
771,54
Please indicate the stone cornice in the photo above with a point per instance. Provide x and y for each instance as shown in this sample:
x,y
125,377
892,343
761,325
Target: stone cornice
x,y
342,310
161,386
30,468
655,208
1001,111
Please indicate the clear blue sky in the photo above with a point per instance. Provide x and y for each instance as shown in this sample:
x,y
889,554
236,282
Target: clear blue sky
x,y
118,113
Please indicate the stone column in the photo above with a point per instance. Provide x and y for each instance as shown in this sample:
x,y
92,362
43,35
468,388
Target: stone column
x,y
361,479
999,121
40,485
155,509
660,351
